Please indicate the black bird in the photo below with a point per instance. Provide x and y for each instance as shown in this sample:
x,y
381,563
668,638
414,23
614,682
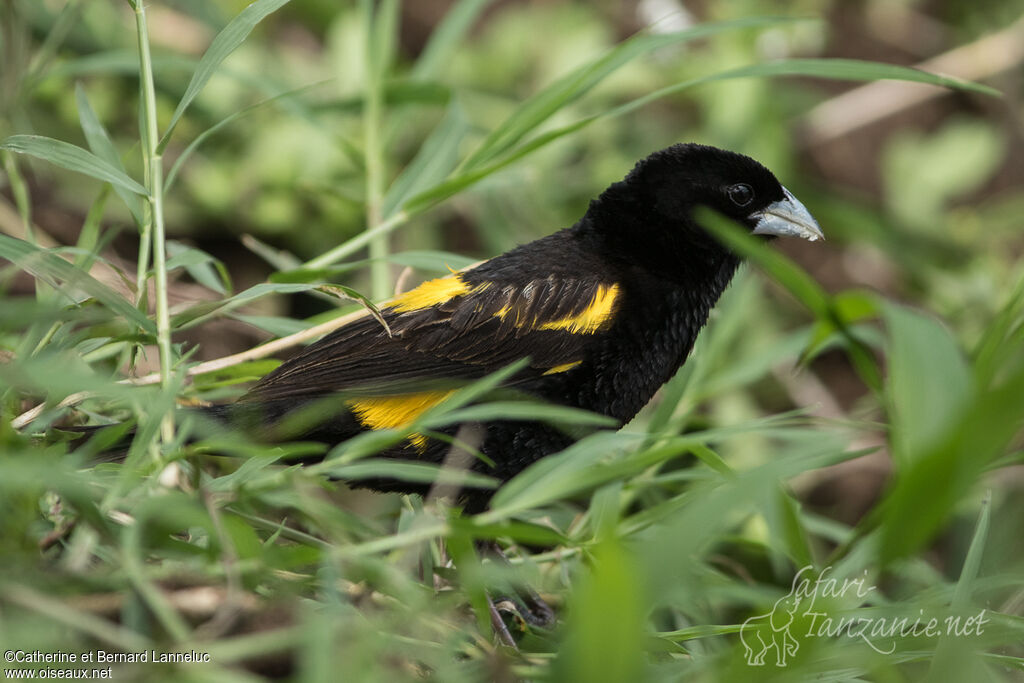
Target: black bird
x,y
605,311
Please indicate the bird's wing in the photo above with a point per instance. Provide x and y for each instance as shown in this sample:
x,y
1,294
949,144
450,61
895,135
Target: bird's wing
x,y
453,328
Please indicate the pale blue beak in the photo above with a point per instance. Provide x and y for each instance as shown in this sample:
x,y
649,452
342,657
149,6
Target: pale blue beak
x,y
787,218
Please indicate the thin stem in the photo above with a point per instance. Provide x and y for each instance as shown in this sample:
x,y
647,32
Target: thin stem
x,y
380,280
155,183
19,188
358,242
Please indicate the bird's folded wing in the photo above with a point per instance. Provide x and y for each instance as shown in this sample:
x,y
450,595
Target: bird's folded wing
x,y
452,330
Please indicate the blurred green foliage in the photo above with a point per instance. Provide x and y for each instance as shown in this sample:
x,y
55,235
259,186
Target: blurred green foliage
x,y
825,420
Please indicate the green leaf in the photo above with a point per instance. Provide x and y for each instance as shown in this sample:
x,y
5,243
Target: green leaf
x,y
928,490
996,351
540,107
558,475
524,410
607,623
343,292
117,61
99,142
436,158
929,381
199,139
826,68
395,92
440,261
280,259
73,158
204,269
523,532
208,309
43,263
862,70
279,326
781,269
417,472
848,308
224,43
444,39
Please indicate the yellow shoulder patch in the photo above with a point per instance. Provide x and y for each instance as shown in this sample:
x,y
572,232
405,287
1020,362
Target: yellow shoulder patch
x,y
395,412
430,293
564,367
591,318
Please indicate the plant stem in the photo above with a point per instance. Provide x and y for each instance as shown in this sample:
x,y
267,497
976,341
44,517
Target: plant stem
x,y
154,223
380,280
353,245
19,188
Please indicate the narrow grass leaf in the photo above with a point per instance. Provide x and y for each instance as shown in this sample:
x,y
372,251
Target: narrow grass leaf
x,y
928,490
224,43
435,159
544,104
862,70
523,410
73,158
117,61
100,144
840,69
415,472
445,38
439,261
280,259
996,350
929,381
948,652
607,623
42,263
209,309
201,138
343,292
279,326
779,267
204,269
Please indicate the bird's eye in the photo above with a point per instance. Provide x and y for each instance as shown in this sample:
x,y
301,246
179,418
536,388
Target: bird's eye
x,y
741,194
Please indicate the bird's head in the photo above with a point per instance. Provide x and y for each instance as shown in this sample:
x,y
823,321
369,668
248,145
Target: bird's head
x,y
652,209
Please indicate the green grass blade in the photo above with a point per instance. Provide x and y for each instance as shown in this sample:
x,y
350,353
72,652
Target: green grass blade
x,y
199,139
607,624
101,145
541,106
929,381
42,263
862,70
796,281
209,309
824,68
434,161
524,410
225,42
73,158
927,491
204,269
972,563
446,37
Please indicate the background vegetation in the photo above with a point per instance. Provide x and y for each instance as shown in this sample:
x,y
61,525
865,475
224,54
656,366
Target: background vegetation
x,y
860,411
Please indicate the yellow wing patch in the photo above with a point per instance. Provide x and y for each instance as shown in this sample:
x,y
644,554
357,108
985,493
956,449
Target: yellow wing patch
x,y
434,292
591,318
430,293
564,367
395,412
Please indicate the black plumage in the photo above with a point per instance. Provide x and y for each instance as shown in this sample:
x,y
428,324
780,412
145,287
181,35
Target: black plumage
x,y
606,311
